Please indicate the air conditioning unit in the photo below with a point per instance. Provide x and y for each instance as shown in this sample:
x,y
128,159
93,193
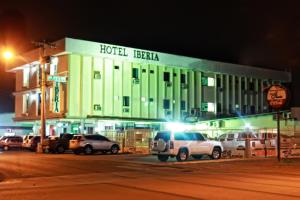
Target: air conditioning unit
x,y
168,112
184,86
136,81
184,114
126,110
168,84
195,112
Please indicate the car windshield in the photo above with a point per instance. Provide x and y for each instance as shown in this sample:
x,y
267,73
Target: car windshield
x,y
165,135
77,137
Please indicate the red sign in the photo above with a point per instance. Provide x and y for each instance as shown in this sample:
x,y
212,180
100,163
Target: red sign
x,y
277,96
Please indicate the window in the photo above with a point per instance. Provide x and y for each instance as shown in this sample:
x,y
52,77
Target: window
x,y
117,67
251,86
188,136
182,78
199,137
219,82
126,101
207,81
230,137
243,85
182,105
101,138
135,73
222,137
166,103
151,99
53,69
25,103
174,74
151,71
97,75
26,71
164,135
219,107
167,76
144,70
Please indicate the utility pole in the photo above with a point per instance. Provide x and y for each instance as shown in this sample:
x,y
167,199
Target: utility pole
x,y
43,61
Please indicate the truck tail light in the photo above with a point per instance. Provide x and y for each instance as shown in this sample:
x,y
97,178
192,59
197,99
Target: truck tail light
x,y
171,145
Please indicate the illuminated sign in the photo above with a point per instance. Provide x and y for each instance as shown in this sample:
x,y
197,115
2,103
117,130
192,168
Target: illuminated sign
x,y
122,51
62,79
277,96
56,98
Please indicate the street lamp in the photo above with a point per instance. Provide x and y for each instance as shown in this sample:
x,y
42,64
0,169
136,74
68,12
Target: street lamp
x,y
8,55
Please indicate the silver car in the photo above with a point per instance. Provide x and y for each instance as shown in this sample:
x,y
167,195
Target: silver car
x,y
88,144
14,142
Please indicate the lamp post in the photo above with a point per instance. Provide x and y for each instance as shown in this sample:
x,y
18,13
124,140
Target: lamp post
x,y
8,55
43,61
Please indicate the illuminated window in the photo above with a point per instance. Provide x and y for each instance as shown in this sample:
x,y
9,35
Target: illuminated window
x,y
26,71
208,81
53,69
207,107
25,103
210,107
126,101
97,75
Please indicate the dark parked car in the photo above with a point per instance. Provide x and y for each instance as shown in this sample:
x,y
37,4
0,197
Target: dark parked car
x,y
59,144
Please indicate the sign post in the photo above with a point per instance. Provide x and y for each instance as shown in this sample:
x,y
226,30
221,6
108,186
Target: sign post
x,y
277,97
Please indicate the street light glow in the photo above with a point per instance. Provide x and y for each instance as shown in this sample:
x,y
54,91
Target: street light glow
x,y
7,55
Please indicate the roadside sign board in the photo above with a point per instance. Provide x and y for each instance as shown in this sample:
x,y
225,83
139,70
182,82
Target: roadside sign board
x,y
277,96
62,79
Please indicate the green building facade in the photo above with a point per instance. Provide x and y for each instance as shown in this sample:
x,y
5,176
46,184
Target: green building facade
x,y
109,87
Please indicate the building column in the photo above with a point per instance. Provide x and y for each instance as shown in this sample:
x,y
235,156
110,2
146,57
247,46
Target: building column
x,y
261,96
233,93
221,93
227,89
256,92
240,94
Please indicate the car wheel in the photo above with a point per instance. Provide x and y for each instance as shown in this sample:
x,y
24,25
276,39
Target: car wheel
x,y
182,155
77,151
197,157
60,149
216,153
114,149
163,158
88,150
5,148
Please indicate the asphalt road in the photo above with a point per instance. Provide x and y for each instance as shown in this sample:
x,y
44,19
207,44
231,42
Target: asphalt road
x,y
26,175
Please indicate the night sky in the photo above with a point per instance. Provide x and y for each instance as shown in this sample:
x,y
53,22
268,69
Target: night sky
x,y
259,33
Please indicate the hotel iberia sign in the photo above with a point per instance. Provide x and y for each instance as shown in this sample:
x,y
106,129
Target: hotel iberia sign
x,y
127,52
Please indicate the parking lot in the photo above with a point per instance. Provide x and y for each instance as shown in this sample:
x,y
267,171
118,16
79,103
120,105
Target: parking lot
x,y
27,175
